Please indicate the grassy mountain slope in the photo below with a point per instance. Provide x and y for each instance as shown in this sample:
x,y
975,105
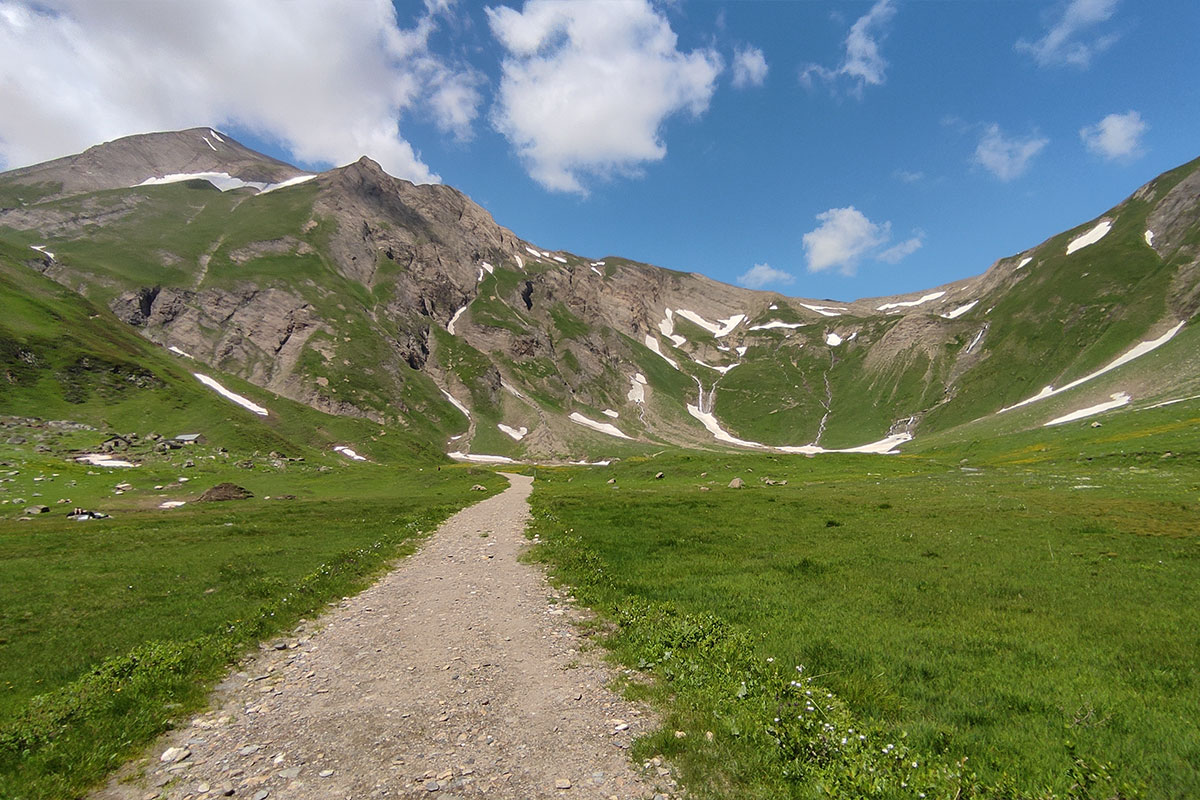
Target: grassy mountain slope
x,y
340,293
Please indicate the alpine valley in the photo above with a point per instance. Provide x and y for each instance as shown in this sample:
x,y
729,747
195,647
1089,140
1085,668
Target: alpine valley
x,y
407,306
981,583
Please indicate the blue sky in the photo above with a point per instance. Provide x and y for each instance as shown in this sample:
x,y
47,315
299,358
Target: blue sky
x,y
822,149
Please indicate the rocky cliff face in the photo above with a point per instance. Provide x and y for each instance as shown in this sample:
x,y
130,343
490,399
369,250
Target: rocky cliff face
x,y
362,294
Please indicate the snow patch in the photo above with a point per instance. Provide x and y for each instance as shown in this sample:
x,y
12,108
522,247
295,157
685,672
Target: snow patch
x,y
41,248
270,187
721,370
244,402
224,181
975,341
741,351
602,427
652,343
910,303
637,389
560,259
210,144
1091,237
825,311
532,252
516,433
667,326
485,265
729,323
348,453
714,427
833,340
608,412
179,352
172,503
1149,237
598,272
723,327
677,340
479,458
1119,399
772,307
597,263
456,404
454,319
1024,261
885,446
102,460
958,312
215,135
766,326
1137,351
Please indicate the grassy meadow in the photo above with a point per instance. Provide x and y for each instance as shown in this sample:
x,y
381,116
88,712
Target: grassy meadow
x,y
1019,622
112,629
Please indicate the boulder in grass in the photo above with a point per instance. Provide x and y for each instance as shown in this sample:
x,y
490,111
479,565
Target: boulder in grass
x,y
736,483
226,491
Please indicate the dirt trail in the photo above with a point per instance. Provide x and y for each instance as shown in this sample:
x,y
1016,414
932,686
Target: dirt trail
x,y
454,676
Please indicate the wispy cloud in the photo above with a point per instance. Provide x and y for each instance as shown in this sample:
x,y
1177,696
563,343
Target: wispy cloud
x,y
330,87
1072,38
586,87
908,176
863,64
1117,137
749,67
845,237
898,252
1007,157
761,275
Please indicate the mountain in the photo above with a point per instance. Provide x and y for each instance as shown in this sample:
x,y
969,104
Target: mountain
x,y
407,306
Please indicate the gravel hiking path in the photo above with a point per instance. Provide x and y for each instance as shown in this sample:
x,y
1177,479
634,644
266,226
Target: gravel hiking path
x,y
455,676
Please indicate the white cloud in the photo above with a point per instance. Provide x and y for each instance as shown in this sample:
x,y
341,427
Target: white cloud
x,y
901,250
329,83
1068,40
749,67
1116,137
908,176
863,64
586,87
761,275
1007,157
845,237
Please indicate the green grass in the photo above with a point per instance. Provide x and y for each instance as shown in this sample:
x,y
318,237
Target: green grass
x,y
1002,615
114,628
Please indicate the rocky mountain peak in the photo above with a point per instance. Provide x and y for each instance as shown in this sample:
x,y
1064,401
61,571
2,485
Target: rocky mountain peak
x,y
131,160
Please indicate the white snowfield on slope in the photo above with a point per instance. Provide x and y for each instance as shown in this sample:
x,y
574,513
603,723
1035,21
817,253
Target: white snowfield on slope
x,y
1091,237
1137,351
602,427
244,402
1119,399
224,181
